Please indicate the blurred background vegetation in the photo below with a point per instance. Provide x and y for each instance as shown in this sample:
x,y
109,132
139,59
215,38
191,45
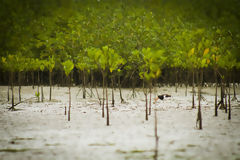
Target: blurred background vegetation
x,y
191,34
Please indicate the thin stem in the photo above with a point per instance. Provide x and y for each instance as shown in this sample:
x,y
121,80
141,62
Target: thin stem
x,y
193,91
150,98
113,100
50,81
229,105
216,105
107,104
12,87
103,95
69,89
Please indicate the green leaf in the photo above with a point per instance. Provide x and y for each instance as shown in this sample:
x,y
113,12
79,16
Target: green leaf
x,y
68,66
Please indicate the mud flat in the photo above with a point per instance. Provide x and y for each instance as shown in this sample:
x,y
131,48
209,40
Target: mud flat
x,y
40,131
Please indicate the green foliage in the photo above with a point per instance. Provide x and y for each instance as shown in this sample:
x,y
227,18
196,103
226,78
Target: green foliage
x,y
10,63
228,61
115,61
109,59
152,62
94,56
42,64
68,66
104,58
37,94
107,35
50,63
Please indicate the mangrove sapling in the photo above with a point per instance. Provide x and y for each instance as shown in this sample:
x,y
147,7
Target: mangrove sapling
x,y
38,86
92,83
36,66
186,83
120,90
226,99
150,98
68,67
229,105
150,69
146,101
200,60
215,66
12,88
6,66
110,62
103,82
228,62
107,61
201,81
84,83
10,64
125,78
69,89
113,101
37,94
50,65
19,86
107,104
219,61
216,105
192,58
134,62
95,54
42,94
50,89
199,115
203,63
221,103
21,66
193,90
84,65
42,65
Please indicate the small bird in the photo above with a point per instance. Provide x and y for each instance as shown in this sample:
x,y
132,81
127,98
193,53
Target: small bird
x,y
161,97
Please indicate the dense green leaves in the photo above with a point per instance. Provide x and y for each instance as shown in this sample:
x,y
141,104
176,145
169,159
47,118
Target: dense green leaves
x,y
50,63
68,66
152,62
139,37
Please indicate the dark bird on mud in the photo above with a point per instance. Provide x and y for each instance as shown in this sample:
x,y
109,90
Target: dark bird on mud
x,y
161,97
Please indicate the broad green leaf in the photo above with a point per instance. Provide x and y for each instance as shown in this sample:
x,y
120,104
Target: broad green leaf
x,y
68,66
206,51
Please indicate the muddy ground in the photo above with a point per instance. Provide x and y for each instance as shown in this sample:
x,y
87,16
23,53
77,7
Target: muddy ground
x,y
40,131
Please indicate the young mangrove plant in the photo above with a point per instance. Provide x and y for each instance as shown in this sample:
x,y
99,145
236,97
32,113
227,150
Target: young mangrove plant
x,y
50,65
150,69
68,67
10,64
42,65
202,60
